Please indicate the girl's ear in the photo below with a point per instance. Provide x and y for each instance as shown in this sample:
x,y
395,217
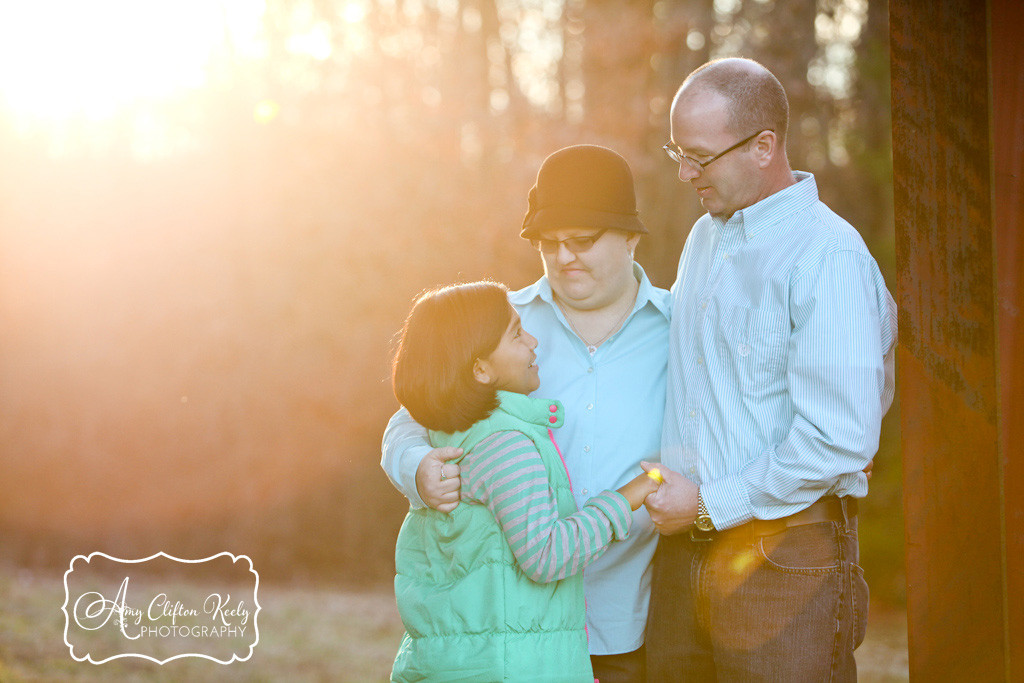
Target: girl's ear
x,y
482,372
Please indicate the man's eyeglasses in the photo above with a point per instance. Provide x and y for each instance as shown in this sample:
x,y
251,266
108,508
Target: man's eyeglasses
x,y
676,154
576,245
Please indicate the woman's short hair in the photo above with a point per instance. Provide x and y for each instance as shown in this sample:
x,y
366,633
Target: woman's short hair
x,y
447,329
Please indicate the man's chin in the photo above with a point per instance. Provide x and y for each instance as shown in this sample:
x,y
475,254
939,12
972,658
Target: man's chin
x,y
716,211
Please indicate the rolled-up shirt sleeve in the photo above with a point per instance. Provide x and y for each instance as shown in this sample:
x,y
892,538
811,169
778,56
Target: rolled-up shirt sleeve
x,y
839,377
403,447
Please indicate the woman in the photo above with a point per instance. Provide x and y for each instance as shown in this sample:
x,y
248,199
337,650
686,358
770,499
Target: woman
x,y
493,590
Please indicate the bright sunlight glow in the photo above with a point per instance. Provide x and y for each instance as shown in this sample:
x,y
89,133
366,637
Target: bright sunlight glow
x,y
61,59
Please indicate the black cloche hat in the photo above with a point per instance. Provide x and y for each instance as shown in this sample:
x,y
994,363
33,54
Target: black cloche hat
x,y
583,186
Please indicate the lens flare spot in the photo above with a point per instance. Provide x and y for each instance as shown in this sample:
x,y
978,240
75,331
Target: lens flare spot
x,y
266,111
743,563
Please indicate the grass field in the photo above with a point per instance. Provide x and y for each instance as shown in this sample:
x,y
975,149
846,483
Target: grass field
x,y
306,634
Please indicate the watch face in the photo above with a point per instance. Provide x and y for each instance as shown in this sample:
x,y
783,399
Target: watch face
x,y
704,523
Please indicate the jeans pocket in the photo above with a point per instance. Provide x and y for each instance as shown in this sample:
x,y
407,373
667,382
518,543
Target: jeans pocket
x,y
860,594
805,549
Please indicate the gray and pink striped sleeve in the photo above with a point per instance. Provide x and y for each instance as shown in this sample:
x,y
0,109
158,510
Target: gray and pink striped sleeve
x,y
505,472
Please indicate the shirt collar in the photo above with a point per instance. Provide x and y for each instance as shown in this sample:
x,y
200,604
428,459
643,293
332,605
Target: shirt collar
x,y
772,209
541,289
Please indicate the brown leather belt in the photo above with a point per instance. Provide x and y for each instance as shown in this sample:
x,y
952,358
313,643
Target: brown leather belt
x,y
827,509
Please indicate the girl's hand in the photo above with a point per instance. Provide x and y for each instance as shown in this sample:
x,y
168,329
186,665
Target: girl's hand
x,y
674,506
637,490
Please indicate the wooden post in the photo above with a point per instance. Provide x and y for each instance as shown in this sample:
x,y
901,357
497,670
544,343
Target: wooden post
x,y
958,151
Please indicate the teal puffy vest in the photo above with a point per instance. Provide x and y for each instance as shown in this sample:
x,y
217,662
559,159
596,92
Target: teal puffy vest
x,y
469,612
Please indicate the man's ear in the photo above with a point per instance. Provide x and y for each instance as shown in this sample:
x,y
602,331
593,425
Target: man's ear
x,y
767,147
482,372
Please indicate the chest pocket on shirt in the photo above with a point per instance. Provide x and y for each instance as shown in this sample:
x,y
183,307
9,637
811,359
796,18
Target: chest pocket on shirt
x,y
752,343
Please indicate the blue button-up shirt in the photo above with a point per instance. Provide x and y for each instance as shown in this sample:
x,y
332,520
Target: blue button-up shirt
x,y
614,403
781,358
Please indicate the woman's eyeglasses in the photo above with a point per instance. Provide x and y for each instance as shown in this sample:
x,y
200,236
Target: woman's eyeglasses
x,y
576,245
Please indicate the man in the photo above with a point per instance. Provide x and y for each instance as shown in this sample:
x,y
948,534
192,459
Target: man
x,y
602,330
780,370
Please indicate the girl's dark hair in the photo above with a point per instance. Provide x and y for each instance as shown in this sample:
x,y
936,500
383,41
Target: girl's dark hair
x,y
447,329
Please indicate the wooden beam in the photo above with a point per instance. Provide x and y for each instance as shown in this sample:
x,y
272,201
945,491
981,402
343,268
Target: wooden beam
x,y
1007,84
958,117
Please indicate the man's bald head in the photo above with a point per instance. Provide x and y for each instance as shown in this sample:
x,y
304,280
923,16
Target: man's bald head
x,y
758,99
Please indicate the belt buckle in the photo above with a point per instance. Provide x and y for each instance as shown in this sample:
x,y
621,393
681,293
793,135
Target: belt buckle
x,y
698,536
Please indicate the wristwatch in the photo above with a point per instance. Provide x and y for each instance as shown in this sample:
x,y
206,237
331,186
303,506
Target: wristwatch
x,y
703,521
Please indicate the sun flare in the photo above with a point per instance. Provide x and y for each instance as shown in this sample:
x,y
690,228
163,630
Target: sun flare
x,y
62,59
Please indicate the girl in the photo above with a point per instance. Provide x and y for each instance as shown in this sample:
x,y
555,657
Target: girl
x,y
493,590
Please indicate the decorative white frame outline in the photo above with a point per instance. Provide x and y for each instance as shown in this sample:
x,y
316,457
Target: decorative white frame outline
x,y
234,655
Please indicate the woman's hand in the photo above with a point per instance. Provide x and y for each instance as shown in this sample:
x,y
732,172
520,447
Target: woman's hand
x,y
438,481
637,490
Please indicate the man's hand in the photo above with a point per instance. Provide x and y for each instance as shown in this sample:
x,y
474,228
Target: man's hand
x,y
673,507
438,481
867,470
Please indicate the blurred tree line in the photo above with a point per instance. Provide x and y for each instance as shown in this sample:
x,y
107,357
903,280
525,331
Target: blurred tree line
x,y
199,299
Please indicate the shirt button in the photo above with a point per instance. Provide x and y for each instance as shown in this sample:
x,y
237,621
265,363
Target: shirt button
x,y
590,370
553,408
700,361
743,349
590,407
586,449
693,470
693,413
552,419
586,492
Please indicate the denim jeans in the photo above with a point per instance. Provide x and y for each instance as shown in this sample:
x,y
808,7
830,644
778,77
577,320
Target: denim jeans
x,y
787,607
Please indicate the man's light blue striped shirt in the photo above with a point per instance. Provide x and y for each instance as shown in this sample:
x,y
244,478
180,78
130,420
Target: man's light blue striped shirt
x,y
781,358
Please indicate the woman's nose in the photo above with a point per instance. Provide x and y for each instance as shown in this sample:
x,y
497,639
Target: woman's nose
x,y
564,255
